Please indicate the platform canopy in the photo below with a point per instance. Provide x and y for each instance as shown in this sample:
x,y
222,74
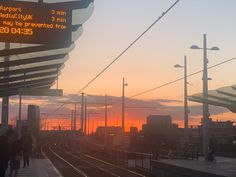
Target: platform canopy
x,y
223,97
38,65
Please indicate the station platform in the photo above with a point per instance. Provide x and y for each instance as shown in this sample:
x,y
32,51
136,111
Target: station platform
x,y
38,168
222,167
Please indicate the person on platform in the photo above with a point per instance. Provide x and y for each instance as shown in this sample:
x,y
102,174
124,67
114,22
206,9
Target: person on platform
x,y
210,154
15,155
5,150
26,141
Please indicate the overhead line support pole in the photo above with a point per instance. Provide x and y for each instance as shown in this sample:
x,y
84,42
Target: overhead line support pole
x,y
85,116
82,113
186,110
5,99
206,114
75,118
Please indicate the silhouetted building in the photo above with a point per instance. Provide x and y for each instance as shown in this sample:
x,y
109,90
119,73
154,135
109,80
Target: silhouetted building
x,y
158,130
158,122
133,131
133,134
22,123
222,136
222,124
115,136
34,118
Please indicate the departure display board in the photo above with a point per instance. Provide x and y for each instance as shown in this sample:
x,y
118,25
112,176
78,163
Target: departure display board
x,y
34,23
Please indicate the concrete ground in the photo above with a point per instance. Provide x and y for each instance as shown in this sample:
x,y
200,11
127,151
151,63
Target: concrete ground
x,y
222,166
38,168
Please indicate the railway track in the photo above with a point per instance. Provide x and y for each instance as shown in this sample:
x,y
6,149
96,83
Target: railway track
x,y
66,168
115,169
79,164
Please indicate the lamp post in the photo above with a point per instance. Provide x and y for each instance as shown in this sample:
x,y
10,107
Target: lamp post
x,y
75,119
85,116
206,114
72,120
5,99
123,103
186,110
82,113
106,111
105,138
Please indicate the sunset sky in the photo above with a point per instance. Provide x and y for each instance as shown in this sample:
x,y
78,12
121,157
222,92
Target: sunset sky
x,y
113,26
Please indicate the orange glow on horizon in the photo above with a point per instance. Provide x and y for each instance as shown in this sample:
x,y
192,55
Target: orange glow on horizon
x,y
94,122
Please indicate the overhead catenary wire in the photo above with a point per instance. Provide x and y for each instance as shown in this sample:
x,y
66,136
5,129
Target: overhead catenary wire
x,y
122,53
126,49
179,79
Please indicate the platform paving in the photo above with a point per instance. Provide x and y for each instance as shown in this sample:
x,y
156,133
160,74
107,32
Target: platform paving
x,y
38,168
223,166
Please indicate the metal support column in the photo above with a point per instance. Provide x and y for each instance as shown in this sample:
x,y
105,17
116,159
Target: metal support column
x,y
20,123
205,120
85,116
82,113
106,111
5,100
123,104
186,111
106,132
72,120
75,118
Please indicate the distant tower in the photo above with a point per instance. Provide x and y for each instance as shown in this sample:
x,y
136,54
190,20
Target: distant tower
x,y
34,118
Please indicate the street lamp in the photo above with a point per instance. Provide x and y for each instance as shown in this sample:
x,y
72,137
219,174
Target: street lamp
x,y
206,120
186,111
209,78
178,66
123,103
212,48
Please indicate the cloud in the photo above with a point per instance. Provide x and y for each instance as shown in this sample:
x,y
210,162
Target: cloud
x,y
135,109
167,101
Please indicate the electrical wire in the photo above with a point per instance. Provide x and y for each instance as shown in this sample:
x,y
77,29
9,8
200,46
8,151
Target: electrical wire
x,y
174,81
121,54
179,79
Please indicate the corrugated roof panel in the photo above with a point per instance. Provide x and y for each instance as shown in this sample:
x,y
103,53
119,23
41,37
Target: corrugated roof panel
x,y
34,65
